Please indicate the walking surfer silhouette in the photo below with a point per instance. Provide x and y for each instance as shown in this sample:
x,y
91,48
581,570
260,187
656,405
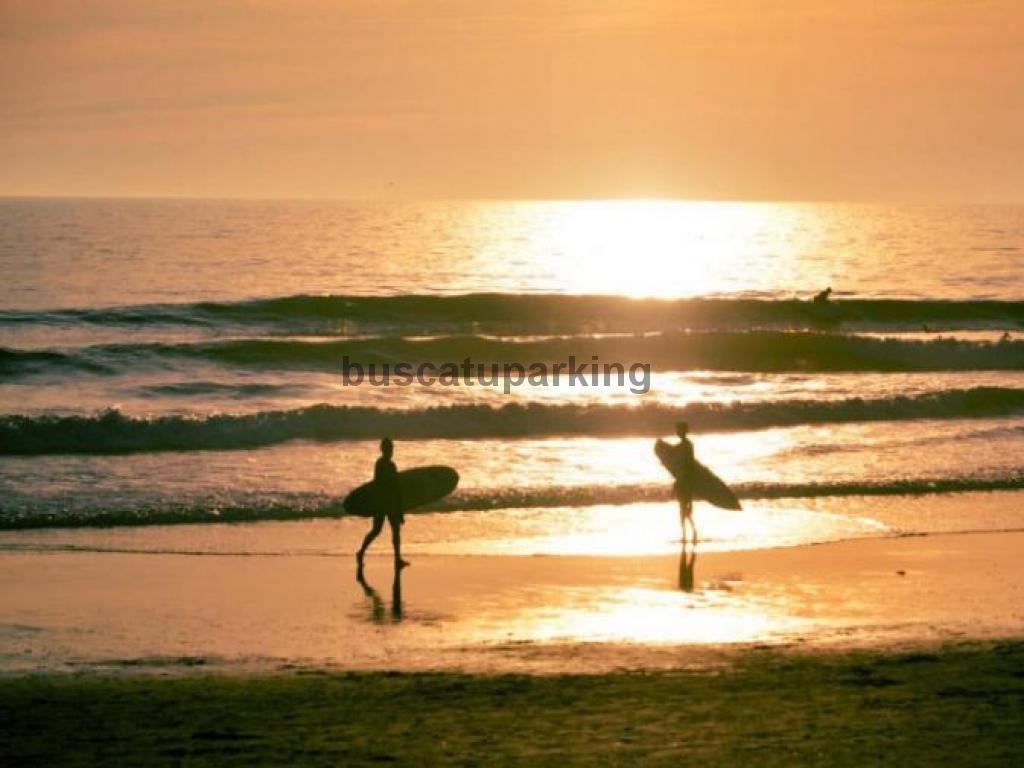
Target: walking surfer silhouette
x,y
385,476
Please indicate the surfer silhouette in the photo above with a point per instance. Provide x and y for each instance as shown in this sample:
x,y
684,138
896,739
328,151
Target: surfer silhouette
x,y
823,310
385,476
692,479
683,488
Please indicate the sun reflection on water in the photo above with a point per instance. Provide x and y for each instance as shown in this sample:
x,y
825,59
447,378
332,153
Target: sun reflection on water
x,y
644,529
653,616
657,248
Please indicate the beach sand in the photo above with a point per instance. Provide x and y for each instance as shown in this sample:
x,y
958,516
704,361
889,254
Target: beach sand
x,y
954,706
885,651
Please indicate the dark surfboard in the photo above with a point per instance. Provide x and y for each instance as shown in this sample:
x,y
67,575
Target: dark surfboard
x,y
706,484
418,486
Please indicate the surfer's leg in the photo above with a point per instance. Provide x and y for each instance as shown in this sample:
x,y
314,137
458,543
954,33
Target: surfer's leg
x,y
685,509
686,516
378,525
396,539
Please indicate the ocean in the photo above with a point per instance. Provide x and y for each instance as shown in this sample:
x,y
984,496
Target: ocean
x,y
184,361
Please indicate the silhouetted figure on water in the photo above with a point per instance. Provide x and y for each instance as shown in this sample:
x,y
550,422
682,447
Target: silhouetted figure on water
x,y
385,476
821,309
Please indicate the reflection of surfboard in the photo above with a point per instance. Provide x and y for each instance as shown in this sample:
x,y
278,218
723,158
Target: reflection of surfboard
x,y
417,487
706,484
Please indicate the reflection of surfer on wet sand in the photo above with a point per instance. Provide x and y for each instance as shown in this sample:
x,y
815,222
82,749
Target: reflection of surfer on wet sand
x,y
687,560
377,602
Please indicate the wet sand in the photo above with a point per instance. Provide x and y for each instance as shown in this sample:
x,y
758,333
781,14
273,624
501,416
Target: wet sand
x,y
880,651
75,611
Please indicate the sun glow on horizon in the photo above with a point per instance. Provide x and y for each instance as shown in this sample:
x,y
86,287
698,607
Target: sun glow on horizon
x,y
654,248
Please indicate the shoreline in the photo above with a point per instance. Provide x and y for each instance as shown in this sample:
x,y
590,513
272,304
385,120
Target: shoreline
x,y
137,613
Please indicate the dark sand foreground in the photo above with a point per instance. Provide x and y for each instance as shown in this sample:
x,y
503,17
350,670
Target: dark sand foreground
x,y
961,705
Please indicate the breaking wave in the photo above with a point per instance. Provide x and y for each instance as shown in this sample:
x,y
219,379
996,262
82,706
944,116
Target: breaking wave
x,y
483,501
755,351
541,313
112,432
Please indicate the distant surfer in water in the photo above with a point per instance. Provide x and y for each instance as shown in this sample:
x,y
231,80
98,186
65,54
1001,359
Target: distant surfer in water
x,y
683,487
823,310
385,476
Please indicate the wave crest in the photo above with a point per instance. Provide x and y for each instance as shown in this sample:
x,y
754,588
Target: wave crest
x,y
544,313
752,351
489,500
115,433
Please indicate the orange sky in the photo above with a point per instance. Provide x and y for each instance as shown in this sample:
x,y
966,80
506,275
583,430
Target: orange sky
x,y
728,99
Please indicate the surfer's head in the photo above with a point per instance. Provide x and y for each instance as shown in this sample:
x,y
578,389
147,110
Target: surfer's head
x,y
387,447
682,428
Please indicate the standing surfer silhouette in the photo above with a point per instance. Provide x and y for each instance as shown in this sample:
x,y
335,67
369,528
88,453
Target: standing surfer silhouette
x,y
683,470
692,479
385,476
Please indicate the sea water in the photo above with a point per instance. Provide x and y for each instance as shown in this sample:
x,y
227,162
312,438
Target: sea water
x,y
184,361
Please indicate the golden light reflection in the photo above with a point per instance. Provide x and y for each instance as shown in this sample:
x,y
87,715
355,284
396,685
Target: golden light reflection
x,y
653,616
654,248
647,529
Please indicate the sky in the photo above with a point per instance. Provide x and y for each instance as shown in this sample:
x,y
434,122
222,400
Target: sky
x,y
903,100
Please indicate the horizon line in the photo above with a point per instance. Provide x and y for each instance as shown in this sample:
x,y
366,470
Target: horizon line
x,y
510,199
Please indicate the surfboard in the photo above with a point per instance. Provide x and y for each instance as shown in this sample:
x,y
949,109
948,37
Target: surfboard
x,y
706,484
417,486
